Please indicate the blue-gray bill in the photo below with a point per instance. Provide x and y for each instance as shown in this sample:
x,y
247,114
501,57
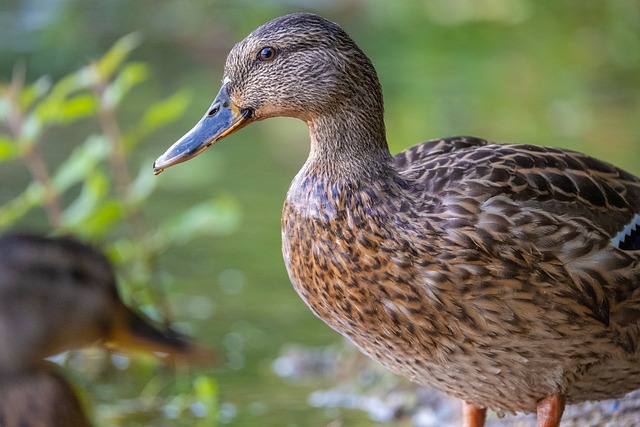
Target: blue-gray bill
x,y
223,118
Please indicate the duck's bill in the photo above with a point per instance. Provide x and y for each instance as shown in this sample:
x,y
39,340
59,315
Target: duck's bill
x,y
222,119
131,331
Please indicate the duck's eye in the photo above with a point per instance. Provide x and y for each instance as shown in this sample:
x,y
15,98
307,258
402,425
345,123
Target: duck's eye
x,y
267,54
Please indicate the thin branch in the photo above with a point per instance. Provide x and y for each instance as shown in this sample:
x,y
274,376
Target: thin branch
x,y
118,164
32,156
117,159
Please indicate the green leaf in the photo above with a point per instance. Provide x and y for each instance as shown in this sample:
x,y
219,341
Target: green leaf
x,y
213,217
79,106
156,116
51,108
8,149
165,111
143,185
14,210
94,189
34,91
130,76
100,219
122,250
206,389
113,59
81,162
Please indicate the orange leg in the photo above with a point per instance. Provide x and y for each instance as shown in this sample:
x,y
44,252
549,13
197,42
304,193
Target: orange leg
x,y
550,410
472,415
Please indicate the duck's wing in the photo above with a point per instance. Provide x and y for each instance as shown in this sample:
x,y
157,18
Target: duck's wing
x,y
557,215
560,182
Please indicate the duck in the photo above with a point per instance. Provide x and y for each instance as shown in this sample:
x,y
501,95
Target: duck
x,y
506,275
58,294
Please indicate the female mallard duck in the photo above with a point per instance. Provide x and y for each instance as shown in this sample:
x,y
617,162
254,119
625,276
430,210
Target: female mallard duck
x,y
58,294
505,275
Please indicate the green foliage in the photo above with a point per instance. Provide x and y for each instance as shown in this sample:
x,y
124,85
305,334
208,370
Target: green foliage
x,y
90,192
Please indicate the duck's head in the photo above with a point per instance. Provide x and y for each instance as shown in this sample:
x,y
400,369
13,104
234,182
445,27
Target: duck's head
x,y
58,294
298,65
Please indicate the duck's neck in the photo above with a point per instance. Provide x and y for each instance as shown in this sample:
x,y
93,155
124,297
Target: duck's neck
x,y
350,143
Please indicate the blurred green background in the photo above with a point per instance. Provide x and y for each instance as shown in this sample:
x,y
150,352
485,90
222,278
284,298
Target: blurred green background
x,y
550,72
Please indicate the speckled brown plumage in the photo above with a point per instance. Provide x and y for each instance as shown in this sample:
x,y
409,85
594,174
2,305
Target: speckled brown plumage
x,y
505,275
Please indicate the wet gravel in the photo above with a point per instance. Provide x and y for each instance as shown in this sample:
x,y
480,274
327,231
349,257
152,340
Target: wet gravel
x,y
358,383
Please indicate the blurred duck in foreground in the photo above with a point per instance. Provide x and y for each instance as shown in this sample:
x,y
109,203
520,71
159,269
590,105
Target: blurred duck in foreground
x,y
58,294
505,275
